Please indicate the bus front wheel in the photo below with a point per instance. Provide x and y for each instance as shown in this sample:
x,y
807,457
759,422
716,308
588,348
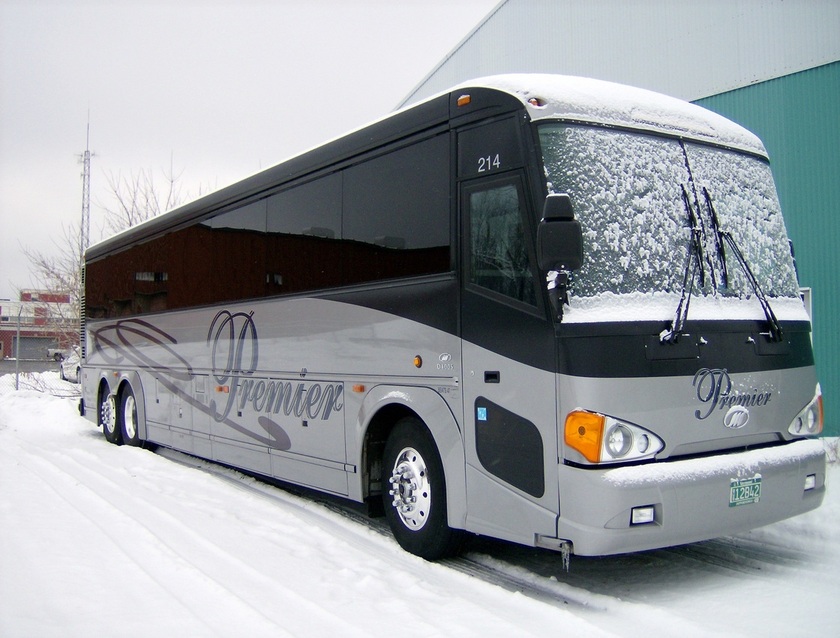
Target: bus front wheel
x,y
414,492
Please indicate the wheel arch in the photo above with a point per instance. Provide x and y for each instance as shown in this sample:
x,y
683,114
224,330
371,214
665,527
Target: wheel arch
x,y
382,408
102,388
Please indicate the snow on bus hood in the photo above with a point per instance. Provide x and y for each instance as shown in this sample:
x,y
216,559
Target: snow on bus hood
x,y
600,102
660,306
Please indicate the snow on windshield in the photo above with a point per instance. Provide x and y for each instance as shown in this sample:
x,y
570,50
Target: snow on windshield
x,y
745,199
627,191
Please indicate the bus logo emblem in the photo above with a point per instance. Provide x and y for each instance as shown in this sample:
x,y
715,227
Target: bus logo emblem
x,y
445,362
737,417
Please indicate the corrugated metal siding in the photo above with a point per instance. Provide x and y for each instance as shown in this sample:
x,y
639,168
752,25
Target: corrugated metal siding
x,y
679,47
797,118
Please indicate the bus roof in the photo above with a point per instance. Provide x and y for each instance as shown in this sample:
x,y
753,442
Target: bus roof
x,y
544,96
607,103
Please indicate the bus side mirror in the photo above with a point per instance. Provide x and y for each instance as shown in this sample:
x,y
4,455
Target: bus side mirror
x,y
559,237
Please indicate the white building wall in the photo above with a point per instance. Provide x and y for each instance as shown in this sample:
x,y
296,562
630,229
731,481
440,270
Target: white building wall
x,y
685,48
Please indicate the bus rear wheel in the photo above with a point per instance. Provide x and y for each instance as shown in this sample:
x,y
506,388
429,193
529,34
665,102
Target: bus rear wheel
x,y
414,492
128,418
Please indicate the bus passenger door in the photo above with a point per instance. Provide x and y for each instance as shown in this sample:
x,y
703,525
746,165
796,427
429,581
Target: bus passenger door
x,y
509,364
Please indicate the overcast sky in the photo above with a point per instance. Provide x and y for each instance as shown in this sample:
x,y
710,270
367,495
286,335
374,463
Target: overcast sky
x,y
219,89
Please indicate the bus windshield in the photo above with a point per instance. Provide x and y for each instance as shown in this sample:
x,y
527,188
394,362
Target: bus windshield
x,y
635,195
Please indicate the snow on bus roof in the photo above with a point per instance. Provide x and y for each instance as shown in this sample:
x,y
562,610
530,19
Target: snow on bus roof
x,y
607,103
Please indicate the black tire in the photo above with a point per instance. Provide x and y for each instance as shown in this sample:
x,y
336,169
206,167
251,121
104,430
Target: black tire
x,y
127,417
107,417
414,492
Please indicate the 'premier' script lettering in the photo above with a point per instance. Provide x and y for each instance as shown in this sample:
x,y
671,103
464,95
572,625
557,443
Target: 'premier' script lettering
x,y
235,354
313,401
714,390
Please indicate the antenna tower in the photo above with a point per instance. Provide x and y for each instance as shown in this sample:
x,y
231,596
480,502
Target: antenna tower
x,y
84,234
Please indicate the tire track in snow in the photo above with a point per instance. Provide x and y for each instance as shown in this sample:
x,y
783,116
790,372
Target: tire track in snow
x,y
344,520
166,536
52,479
602,608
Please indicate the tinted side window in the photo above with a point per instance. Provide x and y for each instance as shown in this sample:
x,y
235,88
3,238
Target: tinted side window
x,y
304,237
396,213
236,253
498,254
384,218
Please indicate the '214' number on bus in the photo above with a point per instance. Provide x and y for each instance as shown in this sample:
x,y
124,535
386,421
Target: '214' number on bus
x,y
489,163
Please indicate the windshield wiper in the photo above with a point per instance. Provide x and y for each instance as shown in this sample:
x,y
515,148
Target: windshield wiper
x,y
693,263
725,237
718,237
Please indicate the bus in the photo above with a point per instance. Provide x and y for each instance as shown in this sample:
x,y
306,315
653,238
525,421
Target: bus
x,y
550,310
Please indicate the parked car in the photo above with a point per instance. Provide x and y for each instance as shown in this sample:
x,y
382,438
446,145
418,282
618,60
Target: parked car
x,y
71,366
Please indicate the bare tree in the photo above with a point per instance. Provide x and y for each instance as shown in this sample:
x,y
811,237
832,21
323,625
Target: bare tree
x,y
59,273
137,198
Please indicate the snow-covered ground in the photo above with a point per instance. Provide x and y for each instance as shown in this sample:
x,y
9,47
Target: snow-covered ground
x,y
98,540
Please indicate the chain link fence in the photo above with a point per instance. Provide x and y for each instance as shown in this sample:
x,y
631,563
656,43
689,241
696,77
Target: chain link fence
x,y
43,377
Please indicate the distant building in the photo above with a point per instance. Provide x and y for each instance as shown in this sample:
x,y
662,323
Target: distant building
x,y
773,66
47,323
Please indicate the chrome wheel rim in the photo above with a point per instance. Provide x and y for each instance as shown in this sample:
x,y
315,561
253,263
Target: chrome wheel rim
x,y
410,489
108,414
130,417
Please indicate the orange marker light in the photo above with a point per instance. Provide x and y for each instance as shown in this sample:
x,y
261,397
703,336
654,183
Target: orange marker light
x,y
359,387
464,100
418,361
820,413
584,432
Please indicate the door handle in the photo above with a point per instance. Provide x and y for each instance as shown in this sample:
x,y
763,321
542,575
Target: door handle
x,y
492,376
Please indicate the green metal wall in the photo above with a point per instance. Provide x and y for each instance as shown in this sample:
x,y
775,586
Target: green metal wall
x,y
798,119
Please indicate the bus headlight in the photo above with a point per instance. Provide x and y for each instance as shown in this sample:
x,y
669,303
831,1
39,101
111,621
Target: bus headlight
x,y
603,439
809,422
619,441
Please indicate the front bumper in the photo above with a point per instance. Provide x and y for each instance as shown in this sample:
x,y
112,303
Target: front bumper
x,y
690,498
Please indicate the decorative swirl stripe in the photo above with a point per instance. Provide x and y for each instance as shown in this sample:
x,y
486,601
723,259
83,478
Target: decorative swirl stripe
x,y
118,343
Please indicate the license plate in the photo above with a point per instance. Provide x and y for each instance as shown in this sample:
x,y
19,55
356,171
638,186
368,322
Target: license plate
x,y
744,491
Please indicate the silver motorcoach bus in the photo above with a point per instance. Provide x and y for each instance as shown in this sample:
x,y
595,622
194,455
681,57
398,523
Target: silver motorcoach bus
x,y
551,310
